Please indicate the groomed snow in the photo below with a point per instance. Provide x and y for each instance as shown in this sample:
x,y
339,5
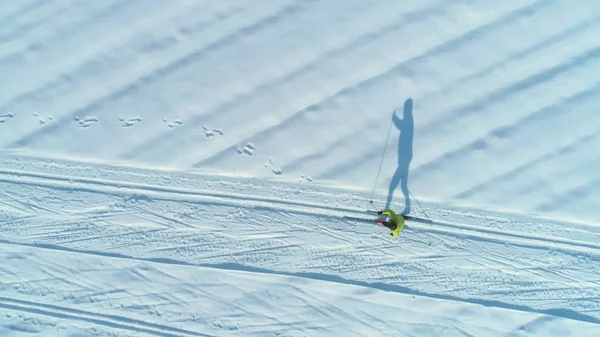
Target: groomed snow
x,y
181,168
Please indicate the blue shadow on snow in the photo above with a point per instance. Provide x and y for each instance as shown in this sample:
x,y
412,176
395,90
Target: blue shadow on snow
x,y
405,153
556,312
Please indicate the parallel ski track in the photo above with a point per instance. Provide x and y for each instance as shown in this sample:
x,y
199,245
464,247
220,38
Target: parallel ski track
x,y
120,322
125,189
111,321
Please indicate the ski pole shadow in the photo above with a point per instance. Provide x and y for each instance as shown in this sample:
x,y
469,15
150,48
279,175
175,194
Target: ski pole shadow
x,y
405,154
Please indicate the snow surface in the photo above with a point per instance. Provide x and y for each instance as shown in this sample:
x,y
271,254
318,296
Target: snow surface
x,y
181,168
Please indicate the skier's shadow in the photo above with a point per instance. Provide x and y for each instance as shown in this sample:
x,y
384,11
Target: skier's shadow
x,y
405,154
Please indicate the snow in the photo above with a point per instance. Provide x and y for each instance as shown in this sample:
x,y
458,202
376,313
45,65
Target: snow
x,y
183,168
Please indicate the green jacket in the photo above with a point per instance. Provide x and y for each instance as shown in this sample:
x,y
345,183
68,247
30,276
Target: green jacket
x,y
398,219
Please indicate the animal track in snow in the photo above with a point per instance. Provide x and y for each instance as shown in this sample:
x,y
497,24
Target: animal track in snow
x,y
87,121
172,124
210,133
4,118
250,150
126,123
275,170
43,120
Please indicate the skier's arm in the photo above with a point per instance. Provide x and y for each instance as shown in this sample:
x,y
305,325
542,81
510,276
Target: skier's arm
x,y
389,212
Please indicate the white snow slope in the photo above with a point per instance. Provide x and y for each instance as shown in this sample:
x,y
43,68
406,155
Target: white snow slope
x,y
182,168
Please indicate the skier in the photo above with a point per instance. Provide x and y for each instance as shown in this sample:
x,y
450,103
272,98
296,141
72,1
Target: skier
x,y
394,222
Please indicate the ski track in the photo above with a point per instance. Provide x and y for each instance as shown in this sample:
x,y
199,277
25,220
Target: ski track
x,y
161,193
472,108
171,224
110,321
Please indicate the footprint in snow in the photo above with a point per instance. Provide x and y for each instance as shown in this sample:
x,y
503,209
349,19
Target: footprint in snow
x,y
86,122
250,150
42,120
210,133
126,123
275,170
174,123
305,178
4,118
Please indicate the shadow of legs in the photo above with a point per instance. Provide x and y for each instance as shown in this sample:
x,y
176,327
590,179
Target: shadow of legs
x,y
404,188
401,175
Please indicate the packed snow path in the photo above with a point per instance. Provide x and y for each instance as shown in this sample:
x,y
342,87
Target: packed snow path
x,y
286,229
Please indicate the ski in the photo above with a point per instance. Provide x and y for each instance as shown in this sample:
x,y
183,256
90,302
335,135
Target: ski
x,y
407,217
358,219
415,218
